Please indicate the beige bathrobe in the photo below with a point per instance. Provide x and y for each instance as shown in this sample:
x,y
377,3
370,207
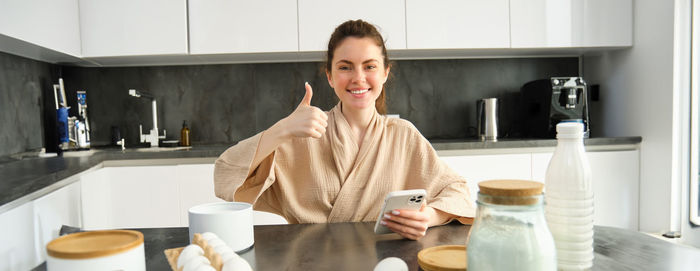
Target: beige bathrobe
x,y
330,179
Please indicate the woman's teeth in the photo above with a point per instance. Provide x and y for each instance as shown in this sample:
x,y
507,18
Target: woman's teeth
x,y
359,91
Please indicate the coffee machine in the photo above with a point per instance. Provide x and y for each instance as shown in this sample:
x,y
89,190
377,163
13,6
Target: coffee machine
x,y
547,102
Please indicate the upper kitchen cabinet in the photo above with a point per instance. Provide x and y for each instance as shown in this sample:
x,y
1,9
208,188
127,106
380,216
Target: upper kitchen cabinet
x,y
570,23
40,29
238,26
458,24
133,27
318,19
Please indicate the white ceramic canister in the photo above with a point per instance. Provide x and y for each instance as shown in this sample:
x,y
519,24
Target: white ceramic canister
x,y
97,250
231,221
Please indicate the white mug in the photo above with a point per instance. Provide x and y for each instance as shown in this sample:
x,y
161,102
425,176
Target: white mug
x,y
231,221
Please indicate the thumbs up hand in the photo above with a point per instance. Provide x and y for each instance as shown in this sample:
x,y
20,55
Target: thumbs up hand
x,y
306,120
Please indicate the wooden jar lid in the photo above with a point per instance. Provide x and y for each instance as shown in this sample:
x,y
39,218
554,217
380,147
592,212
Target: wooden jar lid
x,y
93,244
511,192
443,258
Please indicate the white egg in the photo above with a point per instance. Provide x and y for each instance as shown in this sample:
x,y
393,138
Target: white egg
x,y
222,248
236,264
209,235
187,253
228,255
391,264
196,262
214,242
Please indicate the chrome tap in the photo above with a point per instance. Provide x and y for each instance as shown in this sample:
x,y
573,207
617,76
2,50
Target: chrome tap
x,y
152,137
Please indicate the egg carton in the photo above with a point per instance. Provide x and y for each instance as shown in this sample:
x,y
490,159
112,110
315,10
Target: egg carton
x,y
206,253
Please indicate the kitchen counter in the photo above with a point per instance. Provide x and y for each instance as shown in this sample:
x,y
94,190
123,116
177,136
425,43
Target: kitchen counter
x,y
29,178
354,246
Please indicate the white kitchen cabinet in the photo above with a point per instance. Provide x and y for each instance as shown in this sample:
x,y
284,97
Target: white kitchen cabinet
x,y
133,27
615,179
145,196
61,207
196,186
615,176
51,24
18,248
130,197
570,23
318,19
457,24
477,168
607,23
226,26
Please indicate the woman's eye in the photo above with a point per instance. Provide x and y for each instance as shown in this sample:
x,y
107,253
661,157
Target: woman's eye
x,y
343,68
371,67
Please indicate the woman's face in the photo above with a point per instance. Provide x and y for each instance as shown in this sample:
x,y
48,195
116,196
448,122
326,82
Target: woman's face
x,y
357,72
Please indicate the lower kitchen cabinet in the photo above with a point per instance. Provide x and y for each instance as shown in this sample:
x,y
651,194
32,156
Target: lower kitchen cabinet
x,y
19,249
51,212
196,186
130,197
145,196
477,168
27,229
615,179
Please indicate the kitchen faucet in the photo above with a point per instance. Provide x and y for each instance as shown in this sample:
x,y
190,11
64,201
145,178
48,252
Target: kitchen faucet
x,y
152,137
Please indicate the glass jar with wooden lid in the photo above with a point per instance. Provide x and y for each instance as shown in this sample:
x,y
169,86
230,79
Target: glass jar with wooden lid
x,y
510,231
97,250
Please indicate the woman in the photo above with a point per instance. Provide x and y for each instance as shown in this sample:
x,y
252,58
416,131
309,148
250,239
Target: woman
x,y
337,166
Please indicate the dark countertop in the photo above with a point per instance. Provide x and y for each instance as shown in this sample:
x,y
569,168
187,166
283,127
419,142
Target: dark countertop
x,y
353,246
35,176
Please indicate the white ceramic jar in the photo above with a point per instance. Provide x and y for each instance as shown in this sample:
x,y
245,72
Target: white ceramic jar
x,y
97,250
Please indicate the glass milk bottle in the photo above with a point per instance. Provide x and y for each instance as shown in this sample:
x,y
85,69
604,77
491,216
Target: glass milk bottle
x,y
510,231
569,199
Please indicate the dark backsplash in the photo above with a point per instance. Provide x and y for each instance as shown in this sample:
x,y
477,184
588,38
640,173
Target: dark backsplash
x,y
22,83
227,103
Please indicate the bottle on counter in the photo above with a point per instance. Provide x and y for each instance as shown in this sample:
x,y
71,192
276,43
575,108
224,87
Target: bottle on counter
x,y
569,199
510,231
184,134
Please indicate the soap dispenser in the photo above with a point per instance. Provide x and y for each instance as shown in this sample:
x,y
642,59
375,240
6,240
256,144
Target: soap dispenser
x,y
184,134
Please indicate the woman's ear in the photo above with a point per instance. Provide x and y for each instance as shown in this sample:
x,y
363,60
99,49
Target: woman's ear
x,y
330,80
386,74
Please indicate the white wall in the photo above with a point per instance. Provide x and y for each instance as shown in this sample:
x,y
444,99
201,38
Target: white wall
x,y
691,234
636,98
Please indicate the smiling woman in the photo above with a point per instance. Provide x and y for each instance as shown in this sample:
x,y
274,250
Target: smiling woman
x,y
351,58
337,166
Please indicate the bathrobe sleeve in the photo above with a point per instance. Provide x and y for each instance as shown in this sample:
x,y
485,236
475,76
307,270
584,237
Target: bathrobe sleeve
x,y
233,178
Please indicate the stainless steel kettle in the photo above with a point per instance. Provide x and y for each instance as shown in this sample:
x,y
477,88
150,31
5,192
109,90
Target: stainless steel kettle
x,y
487,119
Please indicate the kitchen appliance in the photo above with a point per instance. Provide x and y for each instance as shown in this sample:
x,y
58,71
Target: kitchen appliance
x,y
487,119
73,132
547,102
82,129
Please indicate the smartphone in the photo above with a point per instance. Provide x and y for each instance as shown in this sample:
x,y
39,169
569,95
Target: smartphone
x,y
404,199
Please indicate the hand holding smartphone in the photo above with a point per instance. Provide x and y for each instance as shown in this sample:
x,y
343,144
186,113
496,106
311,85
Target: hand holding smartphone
x,y
404,200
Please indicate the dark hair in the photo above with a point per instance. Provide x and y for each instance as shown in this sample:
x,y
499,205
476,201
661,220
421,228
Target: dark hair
x,y
358,29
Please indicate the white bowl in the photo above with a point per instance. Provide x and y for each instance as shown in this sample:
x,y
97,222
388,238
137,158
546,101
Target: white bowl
x,y
232,222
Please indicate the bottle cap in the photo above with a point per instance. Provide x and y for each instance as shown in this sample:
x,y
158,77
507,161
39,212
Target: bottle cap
x,y
570,130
